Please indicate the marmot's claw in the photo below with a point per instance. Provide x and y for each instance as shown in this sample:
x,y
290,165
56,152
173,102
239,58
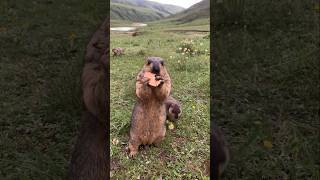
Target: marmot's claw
x,y
158,77
132,154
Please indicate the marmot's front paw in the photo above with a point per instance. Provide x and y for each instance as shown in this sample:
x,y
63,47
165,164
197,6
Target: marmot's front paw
x,y
146,81
158,77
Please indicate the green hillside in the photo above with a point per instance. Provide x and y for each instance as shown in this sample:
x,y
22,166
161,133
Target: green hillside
x,y
131,13
141,10
197,11
167,9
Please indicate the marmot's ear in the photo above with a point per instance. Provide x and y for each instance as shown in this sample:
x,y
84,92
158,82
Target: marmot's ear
x,y
148,60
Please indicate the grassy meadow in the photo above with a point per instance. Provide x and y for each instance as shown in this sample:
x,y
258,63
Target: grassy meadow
x,y
42,54
184,153
266,88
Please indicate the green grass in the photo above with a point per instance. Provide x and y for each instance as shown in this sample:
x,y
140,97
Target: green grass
x,y
199,24
266,88
185,149
42,54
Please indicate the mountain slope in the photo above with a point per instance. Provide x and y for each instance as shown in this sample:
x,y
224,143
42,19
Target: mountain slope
x,y
141,10
132,13
197,11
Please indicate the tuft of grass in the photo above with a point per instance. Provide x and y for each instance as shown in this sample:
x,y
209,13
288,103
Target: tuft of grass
x,y
141,52
185,150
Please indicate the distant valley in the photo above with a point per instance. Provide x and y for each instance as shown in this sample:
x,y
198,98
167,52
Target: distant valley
x,y
147,11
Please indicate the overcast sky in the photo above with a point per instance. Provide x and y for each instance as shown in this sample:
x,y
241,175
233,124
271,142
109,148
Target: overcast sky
x,y
182,3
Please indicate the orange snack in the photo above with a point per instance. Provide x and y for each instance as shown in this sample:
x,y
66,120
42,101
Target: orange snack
x,y
152,82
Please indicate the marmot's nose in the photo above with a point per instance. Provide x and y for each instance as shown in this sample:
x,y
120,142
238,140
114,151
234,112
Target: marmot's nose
x,y
156,69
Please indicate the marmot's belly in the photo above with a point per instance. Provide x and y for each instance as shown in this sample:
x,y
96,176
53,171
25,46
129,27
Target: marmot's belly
x,y
153,130
149,137
149,123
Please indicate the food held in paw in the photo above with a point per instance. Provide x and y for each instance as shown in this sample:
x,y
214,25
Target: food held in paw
x,y
152,82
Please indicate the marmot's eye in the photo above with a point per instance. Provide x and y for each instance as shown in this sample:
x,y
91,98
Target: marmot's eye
x,y
162,63
149,62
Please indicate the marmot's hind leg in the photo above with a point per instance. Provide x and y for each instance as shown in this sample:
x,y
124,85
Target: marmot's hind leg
x,y
133,148
159,139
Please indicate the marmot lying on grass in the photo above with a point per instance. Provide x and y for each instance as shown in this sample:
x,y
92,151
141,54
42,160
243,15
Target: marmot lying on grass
x,y
220,152
118,51
173,108
153,86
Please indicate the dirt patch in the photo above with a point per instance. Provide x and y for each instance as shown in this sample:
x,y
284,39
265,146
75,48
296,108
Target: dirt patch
x,y
114,164
206,167
164,156
177,141
192,167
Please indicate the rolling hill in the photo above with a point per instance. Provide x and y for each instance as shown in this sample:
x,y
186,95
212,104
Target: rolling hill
x,y
141,10
200,10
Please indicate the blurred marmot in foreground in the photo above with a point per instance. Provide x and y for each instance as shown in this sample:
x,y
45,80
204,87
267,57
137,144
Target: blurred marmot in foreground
x,y
221,154
153,86
173,108
90,154
118,51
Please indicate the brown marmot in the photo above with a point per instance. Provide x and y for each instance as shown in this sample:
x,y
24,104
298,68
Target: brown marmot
x,y
220,150
173,108
118,51
90,153
149,113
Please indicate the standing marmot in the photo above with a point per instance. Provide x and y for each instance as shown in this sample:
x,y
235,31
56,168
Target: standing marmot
x,y
149,113
173,108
